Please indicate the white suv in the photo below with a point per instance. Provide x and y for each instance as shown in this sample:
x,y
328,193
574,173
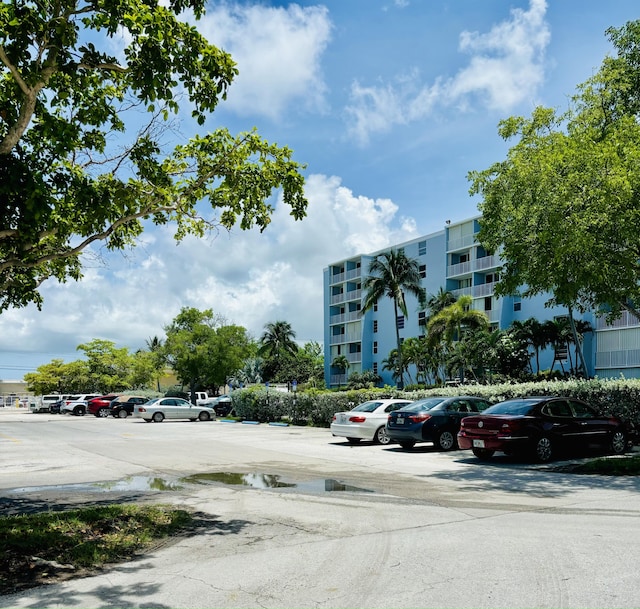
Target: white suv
x,y
77,404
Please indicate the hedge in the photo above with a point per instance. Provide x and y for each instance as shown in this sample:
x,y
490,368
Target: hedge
x,y
620,397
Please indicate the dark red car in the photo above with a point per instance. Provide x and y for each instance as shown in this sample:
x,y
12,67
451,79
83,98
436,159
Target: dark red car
x,y
541,428
100,406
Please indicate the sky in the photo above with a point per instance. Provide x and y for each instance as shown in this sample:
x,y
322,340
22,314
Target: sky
x,y
389,103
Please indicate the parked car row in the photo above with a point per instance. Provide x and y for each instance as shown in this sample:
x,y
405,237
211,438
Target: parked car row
x,y
540,428
155,409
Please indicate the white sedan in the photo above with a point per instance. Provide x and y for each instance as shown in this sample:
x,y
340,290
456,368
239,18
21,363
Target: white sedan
x,y
366,421
159,409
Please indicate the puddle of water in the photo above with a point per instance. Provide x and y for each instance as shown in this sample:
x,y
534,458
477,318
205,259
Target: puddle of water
x,y
267,481
132,483
155,483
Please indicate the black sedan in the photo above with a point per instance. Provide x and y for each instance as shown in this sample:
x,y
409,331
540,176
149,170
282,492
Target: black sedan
x,y
434,419
542,427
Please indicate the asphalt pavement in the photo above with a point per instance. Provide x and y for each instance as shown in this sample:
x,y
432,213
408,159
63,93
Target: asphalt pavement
x,y
292,517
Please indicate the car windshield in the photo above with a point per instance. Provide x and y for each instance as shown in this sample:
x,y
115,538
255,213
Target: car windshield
x,y
517,407
421,405
367,406
152,401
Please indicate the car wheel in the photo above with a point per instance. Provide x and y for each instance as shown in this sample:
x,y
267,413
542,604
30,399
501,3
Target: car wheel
x,y
103,413
353,440
78,411
407,444
157,417
483,453
446,440
542,449
204,416
382,437
618,442
123,414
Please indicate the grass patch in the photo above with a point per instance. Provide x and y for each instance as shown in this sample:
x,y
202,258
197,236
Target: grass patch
x,y
45,547
611,466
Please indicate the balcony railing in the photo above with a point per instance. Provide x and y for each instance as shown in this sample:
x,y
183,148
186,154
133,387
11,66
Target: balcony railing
x,y
337,278
625,358
353,295
626,320
344,317
479,264
457,244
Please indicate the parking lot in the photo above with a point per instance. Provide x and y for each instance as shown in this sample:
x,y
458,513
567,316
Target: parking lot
x,y
311,520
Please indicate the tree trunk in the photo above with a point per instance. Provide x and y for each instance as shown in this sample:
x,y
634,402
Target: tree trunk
x,y
399,347
583,363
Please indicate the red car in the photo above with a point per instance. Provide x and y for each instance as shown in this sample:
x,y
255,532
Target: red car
x,y
100,406
542,427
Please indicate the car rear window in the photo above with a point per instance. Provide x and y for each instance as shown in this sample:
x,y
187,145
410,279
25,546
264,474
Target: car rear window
x,y
422,405
517,407
367,406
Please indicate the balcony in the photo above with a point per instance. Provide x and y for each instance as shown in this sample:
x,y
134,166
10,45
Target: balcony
x,y
354,295
338,278
479,264
344,317
458,244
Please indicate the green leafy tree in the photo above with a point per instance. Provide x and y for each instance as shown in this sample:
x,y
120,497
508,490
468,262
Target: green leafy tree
x,y
564,206
48,378
86,98
108,368
392,274
204,350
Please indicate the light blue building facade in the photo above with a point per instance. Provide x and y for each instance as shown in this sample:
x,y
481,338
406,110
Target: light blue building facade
x,y
454,260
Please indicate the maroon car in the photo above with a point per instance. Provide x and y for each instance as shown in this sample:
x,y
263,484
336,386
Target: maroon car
x,y
541,427
100,406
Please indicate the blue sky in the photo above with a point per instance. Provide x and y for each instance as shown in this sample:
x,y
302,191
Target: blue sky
x,y
390,104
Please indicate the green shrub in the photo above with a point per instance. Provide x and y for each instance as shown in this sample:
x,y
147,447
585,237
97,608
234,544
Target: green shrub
x,y
619,397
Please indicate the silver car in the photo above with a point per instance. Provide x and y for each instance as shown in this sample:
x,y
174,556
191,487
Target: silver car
x,y
366,421
159,409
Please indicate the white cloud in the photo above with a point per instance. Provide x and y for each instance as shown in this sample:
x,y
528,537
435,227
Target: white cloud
x,y
248,277
277,51
506,67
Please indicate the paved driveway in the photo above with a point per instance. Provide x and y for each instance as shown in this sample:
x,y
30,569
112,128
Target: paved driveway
x,y
291,517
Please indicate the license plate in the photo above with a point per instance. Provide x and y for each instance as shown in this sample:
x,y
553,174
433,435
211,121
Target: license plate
x,y
400,420
478,444
341,418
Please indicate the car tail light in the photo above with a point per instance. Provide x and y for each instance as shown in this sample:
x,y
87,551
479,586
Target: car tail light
x,y
334,417
141,409
359,419
419,418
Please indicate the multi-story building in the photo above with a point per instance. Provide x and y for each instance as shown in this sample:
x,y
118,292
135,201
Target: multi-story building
x,y
454,260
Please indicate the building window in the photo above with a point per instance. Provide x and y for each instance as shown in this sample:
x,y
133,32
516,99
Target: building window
x,y
422,318
375,346
487,303
400,322
375,307
375,325
375,367
422,248
517,306
423,270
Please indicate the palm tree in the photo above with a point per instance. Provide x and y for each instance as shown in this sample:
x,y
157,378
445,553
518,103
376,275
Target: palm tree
x,y
277,339
340,363
392,274
155,347
276,344
450,324
440,300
